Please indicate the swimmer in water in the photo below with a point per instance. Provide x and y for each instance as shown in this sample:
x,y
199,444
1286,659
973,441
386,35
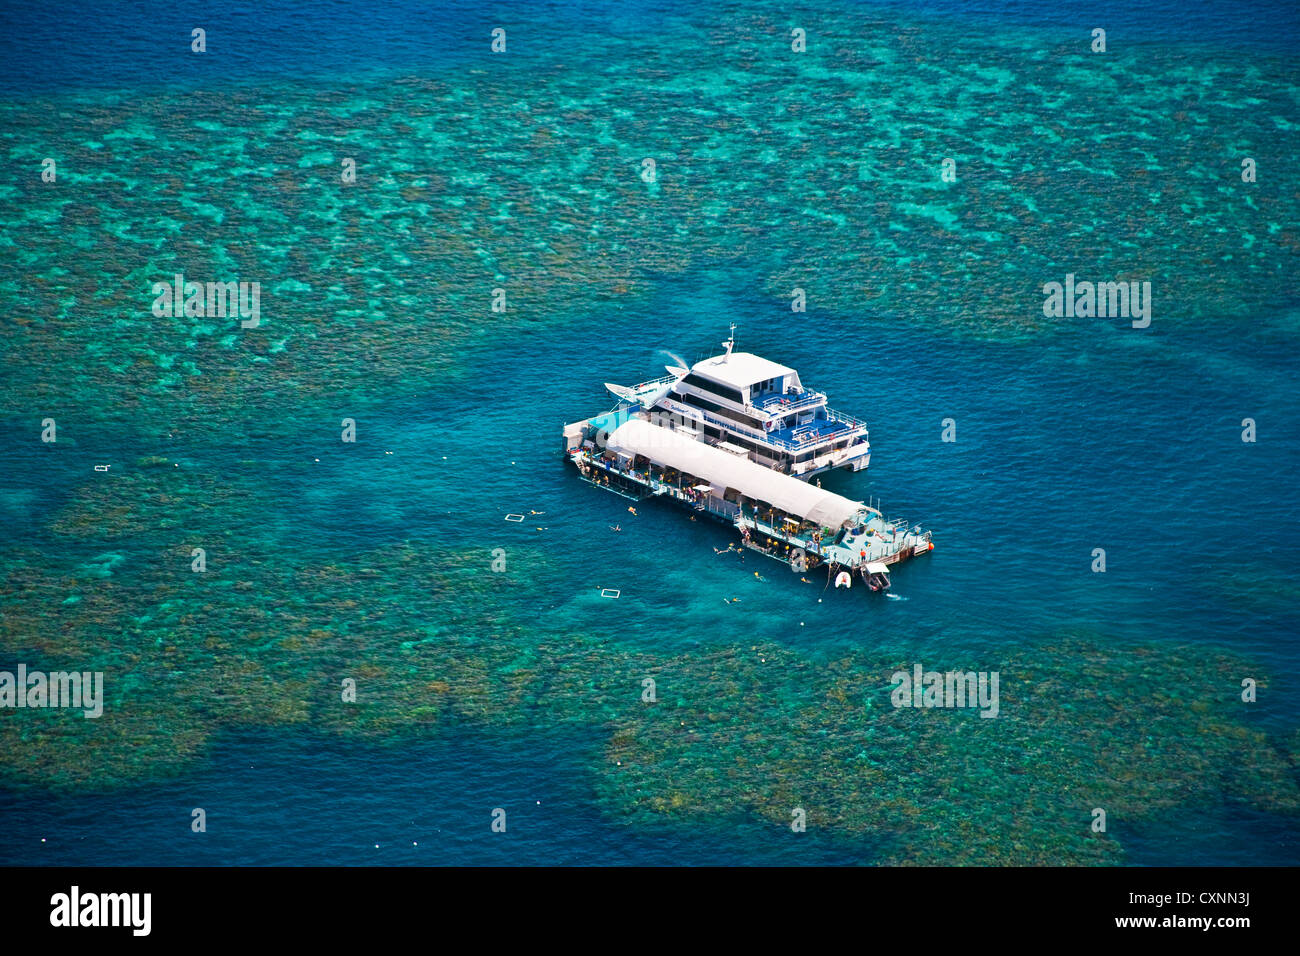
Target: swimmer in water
x,y
633,510
537,512
615,527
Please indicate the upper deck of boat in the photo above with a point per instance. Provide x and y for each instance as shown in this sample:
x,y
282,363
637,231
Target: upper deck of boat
x,y
812,433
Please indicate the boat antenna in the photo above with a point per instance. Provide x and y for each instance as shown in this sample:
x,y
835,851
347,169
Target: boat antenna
x,y
730,343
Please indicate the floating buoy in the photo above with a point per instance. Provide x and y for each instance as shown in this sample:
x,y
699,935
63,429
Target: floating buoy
x,y
843,580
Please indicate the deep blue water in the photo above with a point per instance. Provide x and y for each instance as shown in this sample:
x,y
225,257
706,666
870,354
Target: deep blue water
x,y
275,799
126,44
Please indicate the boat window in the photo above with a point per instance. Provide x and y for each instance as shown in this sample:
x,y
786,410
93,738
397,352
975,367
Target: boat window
x,y
704,403
720,390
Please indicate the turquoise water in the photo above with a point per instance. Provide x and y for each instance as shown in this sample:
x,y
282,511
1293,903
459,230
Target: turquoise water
x,y
477,689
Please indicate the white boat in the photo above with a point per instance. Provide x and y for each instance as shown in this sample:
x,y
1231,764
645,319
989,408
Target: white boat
x,y
750,406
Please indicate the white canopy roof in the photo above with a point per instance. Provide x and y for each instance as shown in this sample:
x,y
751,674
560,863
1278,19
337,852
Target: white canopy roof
x,y
740,369
666,447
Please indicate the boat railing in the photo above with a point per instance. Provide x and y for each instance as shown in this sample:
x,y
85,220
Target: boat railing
x,y
777,403
766,438
788,403
903,531
805,436
845,418
722,508
725,509
655,383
